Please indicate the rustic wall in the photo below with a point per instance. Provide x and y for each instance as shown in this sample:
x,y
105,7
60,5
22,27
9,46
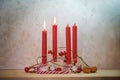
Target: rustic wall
x,y
21,22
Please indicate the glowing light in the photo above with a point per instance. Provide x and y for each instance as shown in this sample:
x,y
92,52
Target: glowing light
x,y
44,25
54,20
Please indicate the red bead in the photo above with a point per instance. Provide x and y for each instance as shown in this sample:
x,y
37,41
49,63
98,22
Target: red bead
x,y
50,52
26,69
61,53
78,71
58,69
79,68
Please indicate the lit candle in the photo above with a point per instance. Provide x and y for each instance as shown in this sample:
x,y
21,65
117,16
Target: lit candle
x,y
44,44
68,45
54,40
74,43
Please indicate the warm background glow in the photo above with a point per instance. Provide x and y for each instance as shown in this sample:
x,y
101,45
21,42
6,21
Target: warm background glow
x,y
21,23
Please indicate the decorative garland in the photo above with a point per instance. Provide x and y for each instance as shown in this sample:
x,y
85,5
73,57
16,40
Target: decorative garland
x,y
51,69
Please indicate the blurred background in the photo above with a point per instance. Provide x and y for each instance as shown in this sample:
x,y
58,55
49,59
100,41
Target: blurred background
x,y
21,23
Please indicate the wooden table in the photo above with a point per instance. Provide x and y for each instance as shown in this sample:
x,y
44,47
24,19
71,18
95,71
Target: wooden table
x,y
21,75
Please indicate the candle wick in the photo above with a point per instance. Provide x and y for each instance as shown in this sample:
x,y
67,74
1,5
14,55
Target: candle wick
x,y
74,24
67,24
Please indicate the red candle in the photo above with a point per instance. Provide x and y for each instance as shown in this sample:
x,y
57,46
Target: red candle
x,y
54,40
68,45
74,42
44,45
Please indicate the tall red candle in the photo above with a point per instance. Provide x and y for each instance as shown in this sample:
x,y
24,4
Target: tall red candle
x,y
44,45
74,43
68,45
54,40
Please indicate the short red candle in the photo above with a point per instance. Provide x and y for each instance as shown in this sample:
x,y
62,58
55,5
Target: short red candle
x,y
74,43
68,45
44,45
54,40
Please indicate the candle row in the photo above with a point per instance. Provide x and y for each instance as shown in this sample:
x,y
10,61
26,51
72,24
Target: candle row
x,y
54,43
74,44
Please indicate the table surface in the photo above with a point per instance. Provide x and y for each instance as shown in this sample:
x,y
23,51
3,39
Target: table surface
x,y
22,74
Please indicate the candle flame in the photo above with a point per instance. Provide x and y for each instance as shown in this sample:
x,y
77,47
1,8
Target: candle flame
x,y
54,20
44,25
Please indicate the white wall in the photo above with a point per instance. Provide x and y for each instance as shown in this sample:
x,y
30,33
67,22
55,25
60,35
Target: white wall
x,y
21,23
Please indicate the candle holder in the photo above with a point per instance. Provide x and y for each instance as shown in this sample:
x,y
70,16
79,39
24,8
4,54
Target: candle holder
x,y
52,67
